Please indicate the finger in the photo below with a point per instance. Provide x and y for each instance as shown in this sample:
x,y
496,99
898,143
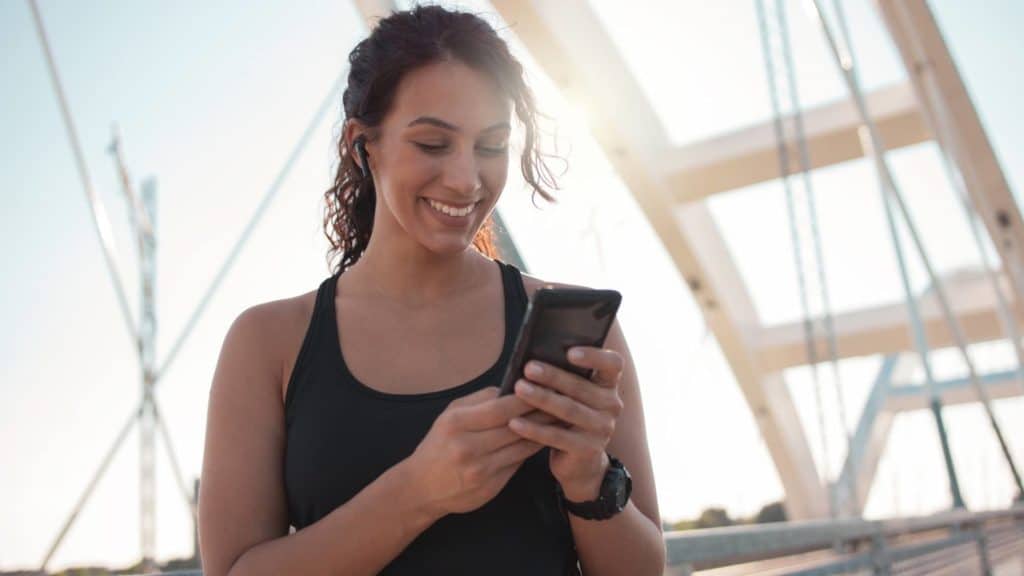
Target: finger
x,y
490,440
566,408
606,363
573,385
565,439
513,454
494,412
506,472
542,417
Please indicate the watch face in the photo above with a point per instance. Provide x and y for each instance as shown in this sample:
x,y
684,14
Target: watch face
x,y
620,496
622,484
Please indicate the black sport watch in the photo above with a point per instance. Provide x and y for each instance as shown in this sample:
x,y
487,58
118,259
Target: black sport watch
x,y
616,486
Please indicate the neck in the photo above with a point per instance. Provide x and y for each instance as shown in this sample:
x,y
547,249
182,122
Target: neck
x,y
412,275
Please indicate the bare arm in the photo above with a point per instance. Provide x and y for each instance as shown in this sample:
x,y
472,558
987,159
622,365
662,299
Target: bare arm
x,y
243,524
632,541
360,537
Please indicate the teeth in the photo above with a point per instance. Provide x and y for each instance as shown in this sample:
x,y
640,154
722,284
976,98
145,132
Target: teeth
x,y
450,210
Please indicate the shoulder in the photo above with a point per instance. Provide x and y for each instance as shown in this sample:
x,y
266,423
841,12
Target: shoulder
x,y
270,334
268,323
532,283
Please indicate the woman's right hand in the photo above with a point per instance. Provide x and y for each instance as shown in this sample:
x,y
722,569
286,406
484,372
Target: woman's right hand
x,y
469,453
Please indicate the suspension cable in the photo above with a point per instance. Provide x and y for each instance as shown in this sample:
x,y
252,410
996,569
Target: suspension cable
x,y
99,215
913,309
848,71
808,326
819,258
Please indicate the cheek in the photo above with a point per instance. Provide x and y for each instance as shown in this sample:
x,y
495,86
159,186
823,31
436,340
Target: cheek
x,y
494,176
409,177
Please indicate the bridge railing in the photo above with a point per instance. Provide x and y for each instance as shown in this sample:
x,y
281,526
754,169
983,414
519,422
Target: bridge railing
x,y
852,545
974,540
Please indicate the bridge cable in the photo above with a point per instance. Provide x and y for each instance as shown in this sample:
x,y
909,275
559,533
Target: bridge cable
x,y
784,170
949,148
873,141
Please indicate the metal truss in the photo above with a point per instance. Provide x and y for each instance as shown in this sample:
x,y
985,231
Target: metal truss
x,y
669,183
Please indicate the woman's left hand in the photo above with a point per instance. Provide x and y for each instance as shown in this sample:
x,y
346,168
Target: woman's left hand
x,y
588,409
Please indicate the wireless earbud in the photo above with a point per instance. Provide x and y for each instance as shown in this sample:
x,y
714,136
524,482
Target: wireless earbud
x,y
360,145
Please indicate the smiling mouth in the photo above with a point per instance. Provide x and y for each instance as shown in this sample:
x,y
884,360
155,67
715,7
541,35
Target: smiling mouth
x,y
452,209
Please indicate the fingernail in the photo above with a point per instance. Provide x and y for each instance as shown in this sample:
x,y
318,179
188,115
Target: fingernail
x,y
534,369
575,354
525,387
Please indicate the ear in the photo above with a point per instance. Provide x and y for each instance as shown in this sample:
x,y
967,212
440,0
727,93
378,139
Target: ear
x,y
354,130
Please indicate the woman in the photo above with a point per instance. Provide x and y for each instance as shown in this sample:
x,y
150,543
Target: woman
x,y
366,413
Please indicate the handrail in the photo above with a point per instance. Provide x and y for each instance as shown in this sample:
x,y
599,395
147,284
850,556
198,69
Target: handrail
x,y
714,547
856,543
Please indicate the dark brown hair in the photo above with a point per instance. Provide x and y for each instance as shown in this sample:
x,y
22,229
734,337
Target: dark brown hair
x,y
399,44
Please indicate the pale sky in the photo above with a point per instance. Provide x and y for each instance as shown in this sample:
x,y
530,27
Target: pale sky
x,y
212,97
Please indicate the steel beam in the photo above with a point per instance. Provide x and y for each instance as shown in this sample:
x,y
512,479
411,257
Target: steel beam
x,y
869,440
948,109
567,39
750,156
1002,384
883,329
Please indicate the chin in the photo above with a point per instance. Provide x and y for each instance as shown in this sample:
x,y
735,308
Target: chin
x,y
446,241
446,246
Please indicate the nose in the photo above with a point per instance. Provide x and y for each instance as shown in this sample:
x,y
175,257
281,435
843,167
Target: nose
x,y
461,174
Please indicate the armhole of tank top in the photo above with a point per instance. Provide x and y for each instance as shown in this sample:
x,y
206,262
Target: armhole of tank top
x,y
304,349
517,284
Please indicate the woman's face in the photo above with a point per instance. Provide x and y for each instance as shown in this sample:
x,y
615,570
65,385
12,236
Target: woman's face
x,y
441,159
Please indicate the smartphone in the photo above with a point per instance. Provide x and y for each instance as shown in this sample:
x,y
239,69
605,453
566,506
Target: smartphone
x,y
558,319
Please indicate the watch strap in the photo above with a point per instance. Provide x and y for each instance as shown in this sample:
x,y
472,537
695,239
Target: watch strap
x,y
606,504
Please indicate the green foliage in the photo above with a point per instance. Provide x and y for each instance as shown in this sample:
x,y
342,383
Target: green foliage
x,y
717,517
713,518
774,512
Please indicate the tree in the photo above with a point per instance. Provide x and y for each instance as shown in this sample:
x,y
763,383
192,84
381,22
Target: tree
x,y
713,517
774,512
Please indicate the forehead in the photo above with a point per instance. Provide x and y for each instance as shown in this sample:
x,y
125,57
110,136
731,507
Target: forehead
x,y
453,92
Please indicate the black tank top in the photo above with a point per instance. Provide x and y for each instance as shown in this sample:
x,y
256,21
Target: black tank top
x,y
341,435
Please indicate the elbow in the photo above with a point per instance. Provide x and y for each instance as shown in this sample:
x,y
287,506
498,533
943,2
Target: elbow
x,y
662,557
224,566
236,568
658,555
240,566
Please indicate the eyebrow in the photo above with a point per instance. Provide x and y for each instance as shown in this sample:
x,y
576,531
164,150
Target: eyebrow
x,y
442,124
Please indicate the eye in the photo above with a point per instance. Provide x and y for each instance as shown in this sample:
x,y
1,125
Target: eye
x,y
430,147
437,148
494,151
